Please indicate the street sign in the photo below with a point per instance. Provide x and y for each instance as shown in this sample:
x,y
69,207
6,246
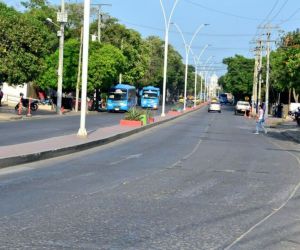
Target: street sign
x,y
62,17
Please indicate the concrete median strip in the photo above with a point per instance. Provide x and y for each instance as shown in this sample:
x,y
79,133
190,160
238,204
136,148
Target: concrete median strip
x,y
58,146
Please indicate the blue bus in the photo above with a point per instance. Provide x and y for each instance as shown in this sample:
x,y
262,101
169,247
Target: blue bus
x,y
121,97
150,97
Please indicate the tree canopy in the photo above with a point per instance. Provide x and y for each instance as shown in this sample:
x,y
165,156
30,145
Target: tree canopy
x,y
239,78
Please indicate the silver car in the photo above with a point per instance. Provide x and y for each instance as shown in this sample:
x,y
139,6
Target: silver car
x,y
242,107
214,106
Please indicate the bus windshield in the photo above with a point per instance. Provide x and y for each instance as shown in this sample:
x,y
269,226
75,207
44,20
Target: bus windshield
x,y
149,95
117,95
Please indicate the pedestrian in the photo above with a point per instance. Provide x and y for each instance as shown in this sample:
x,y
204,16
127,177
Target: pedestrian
x,y
1,96
260,120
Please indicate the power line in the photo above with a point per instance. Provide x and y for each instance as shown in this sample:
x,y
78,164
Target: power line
x,y
281,8
186,33
290,17
222,12
270,12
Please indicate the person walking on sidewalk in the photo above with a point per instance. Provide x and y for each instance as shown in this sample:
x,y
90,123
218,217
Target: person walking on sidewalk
x,y
1,96
260,120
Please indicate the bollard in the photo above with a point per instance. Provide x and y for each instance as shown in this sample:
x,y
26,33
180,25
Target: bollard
x,y
143,119
29,108
20,107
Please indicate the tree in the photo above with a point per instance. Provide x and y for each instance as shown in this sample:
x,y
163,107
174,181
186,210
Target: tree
x,y
105,63
239,77
24,43
133,48
48,78
285,64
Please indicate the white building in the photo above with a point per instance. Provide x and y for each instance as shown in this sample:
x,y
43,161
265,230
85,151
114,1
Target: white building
x,y
12,93
213,85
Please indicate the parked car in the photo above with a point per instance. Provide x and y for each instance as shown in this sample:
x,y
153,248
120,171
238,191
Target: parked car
x,y
241,107
214,106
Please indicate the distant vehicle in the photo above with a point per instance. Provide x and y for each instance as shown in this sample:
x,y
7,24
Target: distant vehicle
x,y
121,97
150,97
214,106
241,107
25,104
223,99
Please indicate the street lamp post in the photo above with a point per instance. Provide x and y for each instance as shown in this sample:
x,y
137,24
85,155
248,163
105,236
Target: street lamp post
x,y
167,27
204,77
197,61
209,68
187,52
85,53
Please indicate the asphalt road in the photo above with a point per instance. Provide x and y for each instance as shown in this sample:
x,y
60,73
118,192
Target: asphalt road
x,y
28,130
203,181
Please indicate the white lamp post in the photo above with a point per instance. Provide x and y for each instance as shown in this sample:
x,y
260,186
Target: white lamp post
x,y
203,75
85,53
197,61
187,52
209,68
167,27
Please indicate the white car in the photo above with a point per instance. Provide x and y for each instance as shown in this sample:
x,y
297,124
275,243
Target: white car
x,y
214,106
241,107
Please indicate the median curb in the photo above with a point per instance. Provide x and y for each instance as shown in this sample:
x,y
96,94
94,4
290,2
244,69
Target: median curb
x,y
56,152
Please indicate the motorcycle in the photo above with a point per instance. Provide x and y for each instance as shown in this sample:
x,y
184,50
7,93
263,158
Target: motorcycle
x,y
297,116
25,102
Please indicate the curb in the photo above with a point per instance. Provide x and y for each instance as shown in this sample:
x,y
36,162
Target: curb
x,y
287,134
22,159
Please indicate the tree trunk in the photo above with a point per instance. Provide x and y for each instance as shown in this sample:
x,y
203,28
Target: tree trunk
x,y
295,95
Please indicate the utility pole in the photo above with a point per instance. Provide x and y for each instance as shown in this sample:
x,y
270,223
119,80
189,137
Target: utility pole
x,y
255,79
100,19
62,18
260,73
268,27
268,74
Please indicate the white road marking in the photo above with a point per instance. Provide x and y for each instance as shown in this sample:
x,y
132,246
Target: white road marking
x,y
126,159
275,210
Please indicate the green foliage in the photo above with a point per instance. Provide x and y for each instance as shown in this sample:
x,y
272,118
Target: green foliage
x,y
133,48
239,78
133,114
148,113
176,107
48,78
285,64
23,43
105,64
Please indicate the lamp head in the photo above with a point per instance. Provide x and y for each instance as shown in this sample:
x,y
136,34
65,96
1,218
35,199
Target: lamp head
x,y
49,20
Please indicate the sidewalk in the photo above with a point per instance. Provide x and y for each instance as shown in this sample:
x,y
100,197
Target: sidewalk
x,y
8,113
286,127
57,146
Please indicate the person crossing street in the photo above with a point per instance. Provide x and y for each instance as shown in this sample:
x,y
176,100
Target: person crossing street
x,y
260,121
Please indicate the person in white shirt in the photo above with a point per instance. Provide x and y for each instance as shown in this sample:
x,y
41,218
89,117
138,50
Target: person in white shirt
x,y
260,121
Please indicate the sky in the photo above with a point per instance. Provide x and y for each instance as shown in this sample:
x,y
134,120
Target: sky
x,y
234,25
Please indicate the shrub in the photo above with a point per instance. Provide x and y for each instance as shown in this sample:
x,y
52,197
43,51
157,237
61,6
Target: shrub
x,y
133,114
176,108
148,113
